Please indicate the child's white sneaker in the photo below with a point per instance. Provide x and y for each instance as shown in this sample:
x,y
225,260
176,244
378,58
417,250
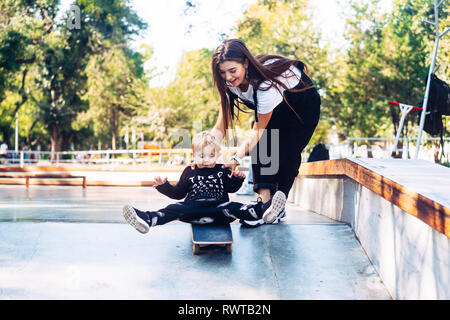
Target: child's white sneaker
x,y
139,220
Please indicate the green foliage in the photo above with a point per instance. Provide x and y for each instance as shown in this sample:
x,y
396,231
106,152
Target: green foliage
x,y
115,90
21,26
60,56
286,28
189,98
387,59
86,86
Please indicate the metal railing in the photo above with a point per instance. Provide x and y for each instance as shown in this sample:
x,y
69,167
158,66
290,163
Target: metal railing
x,y
356,149
353,148
107,157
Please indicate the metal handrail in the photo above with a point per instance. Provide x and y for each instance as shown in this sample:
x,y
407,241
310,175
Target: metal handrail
x,y
181,156
131,156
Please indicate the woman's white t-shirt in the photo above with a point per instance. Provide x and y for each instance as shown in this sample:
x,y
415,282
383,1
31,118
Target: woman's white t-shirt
x,y
269,99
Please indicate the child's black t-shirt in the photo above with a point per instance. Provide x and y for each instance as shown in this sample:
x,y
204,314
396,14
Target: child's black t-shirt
x,y
203,184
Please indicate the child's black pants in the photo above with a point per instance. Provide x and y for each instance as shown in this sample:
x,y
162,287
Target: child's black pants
x,y
207,212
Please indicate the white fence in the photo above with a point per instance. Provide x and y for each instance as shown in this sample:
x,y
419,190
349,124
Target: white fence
x,y
101,157
382,148
353,148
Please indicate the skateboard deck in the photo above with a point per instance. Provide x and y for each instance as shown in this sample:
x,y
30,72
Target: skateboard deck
x,y
203,235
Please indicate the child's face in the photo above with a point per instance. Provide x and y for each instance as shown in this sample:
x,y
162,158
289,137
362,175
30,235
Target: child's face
x,y
206,157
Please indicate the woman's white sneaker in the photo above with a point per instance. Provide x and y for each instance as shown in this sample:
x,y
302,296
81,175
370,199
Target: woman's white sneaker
x,y
274,207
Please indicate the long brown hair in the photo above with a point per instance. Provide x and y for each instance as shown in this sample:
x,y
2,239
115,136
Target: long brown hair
x,y
236,50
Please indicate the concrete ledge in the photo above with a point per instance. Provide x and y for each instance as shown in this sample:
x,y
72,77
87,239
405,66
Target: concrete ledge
x,y
407,245
418,187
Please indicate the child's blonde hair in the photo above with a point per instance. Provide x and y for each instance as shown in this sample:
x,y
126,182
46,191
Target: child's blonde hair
x,y
203,139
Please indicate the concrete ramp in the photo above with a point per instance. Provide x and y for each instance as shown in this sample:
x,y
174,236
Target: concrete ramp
x,y
398,209
69,243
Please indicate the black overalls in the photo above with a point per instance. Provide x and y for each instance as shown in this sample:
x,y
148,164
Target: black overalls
x,y
277,156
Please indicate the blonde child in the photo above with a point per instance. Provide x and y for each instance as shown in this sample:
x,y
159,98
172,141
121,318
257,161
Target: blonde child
x,y
204,187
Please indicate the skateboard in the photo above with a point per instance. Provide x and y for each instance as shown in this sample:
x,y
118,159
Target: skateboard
x,y
205,235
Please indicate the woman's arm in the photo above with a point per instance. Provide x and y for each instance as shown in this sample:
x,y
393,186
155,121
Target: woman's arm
x,y
255,135
252,140
219,129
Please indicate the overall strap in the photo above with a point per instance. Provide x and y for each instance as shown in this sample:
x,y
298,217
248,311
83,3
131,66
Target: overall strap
x,y
255,102
234,97
300,65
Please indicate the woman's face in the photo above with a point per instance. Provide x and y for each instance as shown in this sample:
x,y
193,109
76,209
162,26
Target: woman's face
x,y
233,72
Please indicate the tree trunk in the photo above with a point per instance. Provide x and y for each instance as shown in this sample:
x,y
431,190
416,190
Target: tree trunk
x,y
113,142
114,121
6,136
56,140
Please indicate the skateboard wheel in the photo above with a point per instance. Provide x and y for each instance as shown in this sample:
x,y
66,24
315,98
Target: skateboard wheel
x,y
195,249
229,248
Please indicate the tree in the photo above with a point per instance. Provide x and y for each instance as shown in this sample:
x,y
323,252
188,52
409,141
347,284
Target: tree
x,y
61,56
387,59
67,55
23,24
286,28
115,82
189,98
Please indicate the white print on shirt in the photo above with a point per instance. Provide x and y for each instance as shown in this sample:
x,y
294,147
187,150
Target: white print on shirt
x,y
210,187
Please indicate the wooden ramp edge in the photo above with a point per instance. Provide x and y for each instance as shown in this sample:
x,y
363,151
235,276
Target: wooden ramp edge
x,y
429,211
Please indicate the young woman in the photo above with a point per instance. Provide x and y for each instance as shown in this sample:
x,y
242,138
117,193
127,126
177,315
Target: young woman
x,y
286,106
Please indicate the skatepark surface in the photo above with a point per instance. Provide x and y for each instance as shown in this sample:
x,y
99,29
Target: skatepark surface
x,y
65,242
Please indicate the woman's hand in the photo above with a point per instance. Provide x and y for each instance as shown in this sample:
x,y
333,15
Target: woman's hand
x,y
158,181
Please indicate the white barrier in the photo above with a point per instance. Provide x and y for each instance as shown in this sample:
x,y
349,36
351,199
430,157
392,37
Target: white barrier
x,y
411,257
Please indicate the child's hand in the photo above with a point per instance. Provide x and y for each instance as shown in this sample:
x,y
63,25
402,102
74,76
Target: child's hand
x,y
232,166
238,174
158,181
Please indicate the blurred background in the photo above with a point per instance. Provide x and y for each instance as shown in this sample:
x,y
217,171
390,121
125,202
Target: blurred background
x,y
84,80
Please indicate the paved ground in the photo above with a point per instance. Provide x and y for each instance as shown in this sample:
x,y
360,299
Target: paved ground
x,y
68,243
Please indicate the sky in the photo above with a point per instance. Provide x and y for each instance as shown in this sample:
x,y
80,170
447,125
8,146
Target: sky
x,y
167,26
